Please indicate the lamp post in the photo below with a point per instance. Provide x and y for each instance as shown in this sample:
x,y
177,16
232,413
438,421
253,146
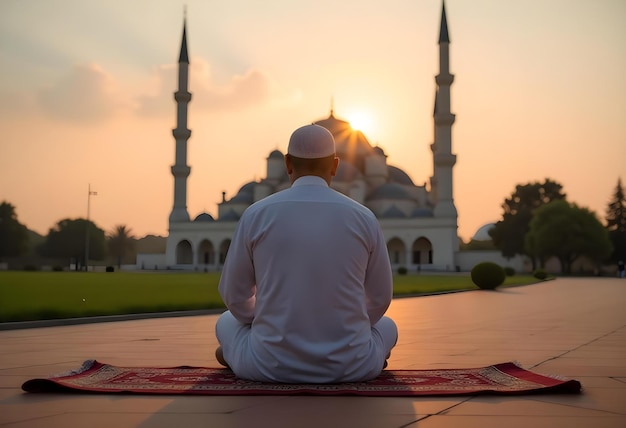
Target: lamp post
x,y
89,193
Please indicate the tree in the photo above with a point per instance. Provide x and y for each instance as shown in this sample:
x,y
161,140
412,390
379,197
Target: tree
x,y
567,232
508,233
67,239
121,243
616,223
13,234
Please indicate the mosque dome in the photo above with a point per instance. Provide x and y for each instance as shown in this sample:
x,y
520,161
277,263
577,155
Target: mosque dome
x,y
422,212
347,172
230,216
204,217
393,212
248,187
276,154
334,125
390,191
396,175
482,234
243,197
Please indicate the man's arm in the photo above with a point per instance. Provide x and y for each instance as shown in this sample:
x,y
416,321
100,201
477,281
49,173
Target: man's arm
x,y
237,284
378,278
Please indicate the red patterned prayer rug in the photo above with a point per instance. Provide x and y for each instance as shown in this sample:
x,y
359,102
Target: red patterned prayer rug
x,y
506,378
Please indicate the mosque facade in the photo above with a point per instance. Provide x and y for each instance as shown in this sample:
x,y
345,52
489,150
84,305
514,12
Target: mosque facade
x,y
419,221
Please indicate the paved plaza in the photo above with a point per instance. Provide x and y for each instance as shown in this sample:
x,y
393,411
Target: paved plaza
x,y
573,327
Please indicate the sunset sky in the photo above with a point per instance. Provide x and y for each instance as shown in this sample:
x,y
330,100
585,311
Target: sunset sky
x,y
86,98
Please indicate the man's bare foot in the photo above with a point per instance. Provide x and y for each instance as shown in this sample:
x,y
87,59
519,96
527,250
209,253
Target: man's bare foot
x,y
386,358
219,355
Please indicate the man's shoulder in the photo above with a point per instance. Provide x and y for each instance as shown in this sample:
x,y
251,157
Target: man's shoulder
x,y
343,198
280,196
351,204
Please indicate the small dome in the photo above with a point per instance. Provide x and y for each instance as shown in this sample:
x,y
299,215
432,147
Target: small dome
x,y
243,198
229,216
276,154
347,172
482,234
248,187
393,212
422,212
396,175
390,191
204,217
379,151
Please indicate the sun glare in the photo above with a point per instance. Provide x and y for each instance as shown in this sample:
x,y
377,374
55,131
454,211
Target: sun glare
x,y
361,121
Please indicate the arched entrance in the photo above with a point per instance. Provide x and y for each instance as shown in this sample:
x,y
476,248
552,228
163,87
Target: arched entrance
x,y
396,250
422,252
184,253
206,253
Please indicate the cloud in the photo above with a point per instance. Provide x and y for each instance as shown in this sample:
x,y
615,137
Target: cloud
x,y
241,91
15,104
87,94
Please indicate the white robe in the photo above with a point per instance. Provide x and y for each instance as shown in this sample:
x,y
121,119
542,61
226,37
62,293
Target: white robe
x,y
307,280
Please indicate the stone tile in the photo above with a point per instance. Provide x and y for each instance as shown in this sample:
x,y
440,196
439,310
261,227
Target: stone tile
x,y
603,399
366,406
27,406
168,420
516,421
12,381
523,406
601,382
340,412
572,368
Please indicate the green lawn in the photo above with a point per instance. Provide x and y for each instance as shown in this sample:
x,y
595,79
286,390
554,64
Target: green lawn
x,y
50,295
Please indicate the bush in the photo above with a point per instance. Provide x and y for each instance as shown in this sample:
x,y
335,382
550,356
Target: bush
x,y
540,274
509,271
402,270
57,268
110,269
31,268
487,275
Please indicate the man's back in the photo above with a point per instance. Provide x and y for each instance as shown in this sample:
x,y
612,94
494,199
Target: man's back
x,y
322,275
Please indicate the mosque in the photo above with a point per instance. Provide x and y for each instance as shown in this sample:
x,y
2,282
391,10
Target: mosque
x,y
419,221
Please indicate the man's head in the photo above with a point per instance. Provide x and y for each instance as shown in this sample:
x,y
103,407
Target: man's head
x,y
311,151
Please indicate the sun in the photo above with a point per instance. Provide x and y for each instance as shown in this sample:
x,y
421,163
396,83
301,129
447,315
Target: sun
x,y
361,121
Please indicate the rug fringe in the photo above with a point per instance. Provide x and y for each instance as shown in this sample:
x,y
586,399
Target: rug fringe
x,y
550,375
83,368
557,377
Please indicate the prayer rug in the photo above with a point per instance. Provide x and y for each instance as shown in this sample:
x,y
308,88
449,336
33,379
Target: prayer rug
x,y
502,379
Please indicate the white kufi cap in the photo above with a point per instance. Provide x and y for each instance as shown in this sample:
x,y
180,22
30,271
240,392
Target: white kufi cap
x,y
311,142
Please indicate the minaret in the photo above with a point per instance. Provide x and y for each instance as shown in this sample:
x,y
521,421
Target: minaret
x,y
433,179
443,159
180,169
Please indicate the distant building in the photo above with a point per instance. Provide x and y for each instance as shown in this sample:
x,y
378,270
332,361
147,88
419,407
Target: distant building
x,y
482,234
419,221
